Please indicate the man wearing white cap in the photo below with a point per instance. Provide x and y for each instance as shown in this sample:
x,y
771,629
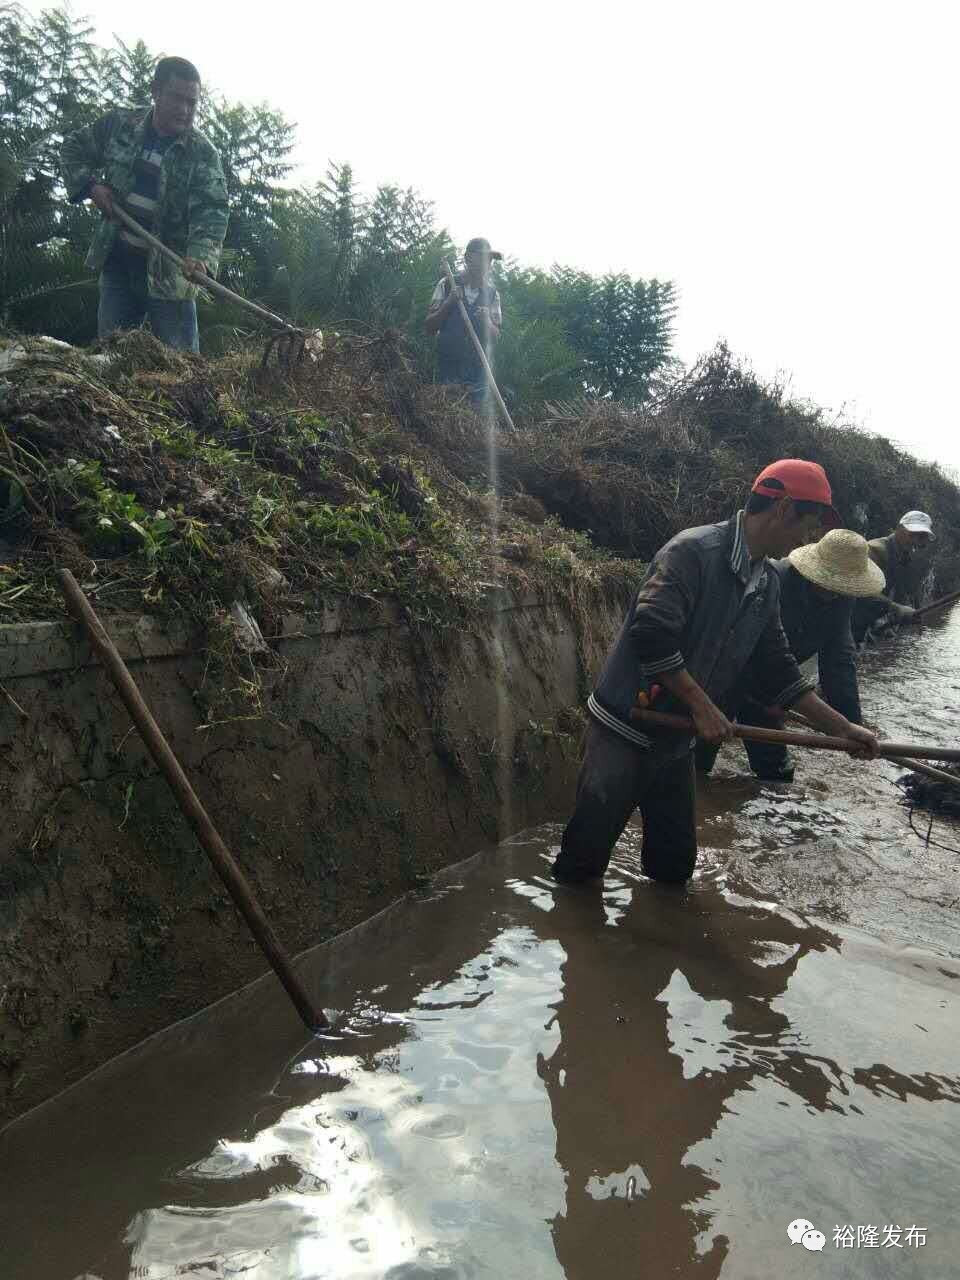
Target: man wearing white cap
x,y
818,586
904,558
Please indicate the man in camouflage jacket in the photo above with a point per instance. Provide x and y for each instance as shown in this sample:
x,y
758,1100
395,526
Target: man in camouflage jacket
x,y
167,176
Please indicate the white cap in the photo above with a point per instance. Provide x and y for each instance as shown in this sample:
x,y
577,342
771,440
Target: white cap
x,y
917,522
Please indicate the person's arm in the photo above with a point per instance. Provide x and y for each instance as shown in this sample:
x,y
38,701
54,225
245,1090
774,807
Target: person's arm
x,y
898,614
710,722
879,552
772,676
920,570
872,608
661,612
883,614
828,721
81,165
439,310
837,661
877,613
208,212
772,663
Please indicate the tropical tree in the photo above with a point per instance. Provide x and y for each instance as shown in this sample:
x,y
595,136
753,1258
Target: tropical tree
x,y
326,255
48,70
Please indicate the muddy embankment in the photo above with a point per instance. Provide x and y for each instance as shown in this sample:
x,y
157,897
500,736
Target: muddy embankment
x,y
383,752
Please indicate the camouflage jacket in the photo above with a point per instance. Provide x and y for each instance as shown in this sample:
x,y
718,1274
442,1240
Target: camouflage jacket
x,y
192,208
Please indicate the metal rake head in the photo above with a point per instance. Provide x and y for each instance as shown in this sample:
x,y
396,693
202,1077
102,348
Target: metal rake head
x,y
291,347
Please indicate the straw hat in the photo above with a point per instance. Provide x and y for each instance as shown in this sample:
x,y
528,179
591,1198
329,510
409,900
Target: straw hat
x,y
840,562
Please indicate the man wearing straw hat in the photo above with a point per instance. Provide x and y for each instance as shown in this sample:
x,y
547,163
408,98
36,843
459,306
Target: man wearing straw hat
x,y
818,586
457,356
707,614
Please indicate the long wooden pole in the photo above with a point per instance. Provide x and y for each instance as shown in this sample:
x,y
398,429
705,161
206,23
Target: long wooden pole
x,y
223,861
907,763
823,741
937,604
205,281
938,775
889,620
468,325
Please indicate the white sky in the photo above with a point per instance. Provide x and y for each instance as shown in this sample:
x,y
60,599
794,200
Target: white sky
x,y
792,167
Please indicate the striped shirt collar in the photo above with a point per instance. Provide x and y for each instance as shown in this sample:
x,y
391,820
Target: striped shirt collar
x,y
750,572
739,555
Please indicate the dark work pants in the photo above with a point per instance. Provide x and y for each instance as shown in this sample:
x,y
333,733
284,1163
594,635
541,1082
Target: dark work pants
x,y
467,372
616,778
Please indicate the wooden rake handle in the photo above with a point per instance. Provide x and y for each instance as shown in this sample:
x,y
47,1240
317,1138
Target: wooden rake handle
x,y
937,604
819,741
205,282
234,881
468,325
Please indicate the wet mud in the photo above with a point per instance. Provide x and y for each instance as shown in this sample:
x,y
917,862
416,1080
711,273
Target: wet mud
x,y
533,1080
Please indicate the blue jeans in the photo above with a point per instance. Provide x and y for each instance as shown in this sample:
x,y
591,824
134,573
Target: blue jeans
x,y
125,304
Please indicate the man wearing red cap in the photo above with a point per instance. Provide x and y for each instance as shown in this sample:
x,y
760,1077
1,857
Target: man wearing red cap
x,y
705,619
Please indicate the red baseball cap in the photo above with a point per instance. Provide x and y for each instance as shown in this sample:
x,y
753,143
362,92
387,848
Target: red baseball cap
x,y
803,481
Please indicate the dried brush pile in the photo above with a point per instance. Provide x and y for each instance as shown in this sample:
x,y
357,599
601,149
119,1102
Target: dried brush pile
x,y
928,793
631,478
174,484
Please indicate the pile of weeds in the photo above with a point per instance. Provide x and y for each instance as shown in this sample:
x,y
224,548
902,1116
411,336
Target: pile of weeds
x,y
232,491
940,797
633,477
175,485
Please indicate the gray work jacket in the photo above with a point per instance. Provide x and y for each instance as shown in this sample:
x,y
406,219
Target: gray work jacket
x,y
703,606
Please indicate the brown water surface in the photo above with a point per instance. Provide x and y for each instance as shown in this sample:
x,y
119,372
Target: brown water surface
x,y
535,1081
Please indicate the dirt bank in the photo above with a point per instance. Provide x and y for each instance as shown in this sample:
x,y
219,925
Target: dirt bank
x,y
382,751
369,661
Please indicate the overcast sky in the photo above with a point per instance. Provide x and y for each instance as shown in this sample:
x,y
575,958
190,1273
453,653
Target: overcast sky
x,y
790,166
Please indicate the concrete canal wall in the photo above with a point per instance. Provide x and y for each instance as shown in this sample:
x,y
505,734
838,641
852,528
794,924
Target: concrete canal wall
x,y
383,752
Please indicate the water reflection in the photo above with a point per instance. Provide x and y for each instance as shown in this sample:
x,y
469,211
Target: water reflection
x,y
416,1158
655,1040
535,1081
634,1081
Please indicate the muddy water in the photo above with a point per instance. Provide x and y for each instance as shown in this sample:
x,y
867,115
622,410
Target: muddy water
x,y
534,1081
